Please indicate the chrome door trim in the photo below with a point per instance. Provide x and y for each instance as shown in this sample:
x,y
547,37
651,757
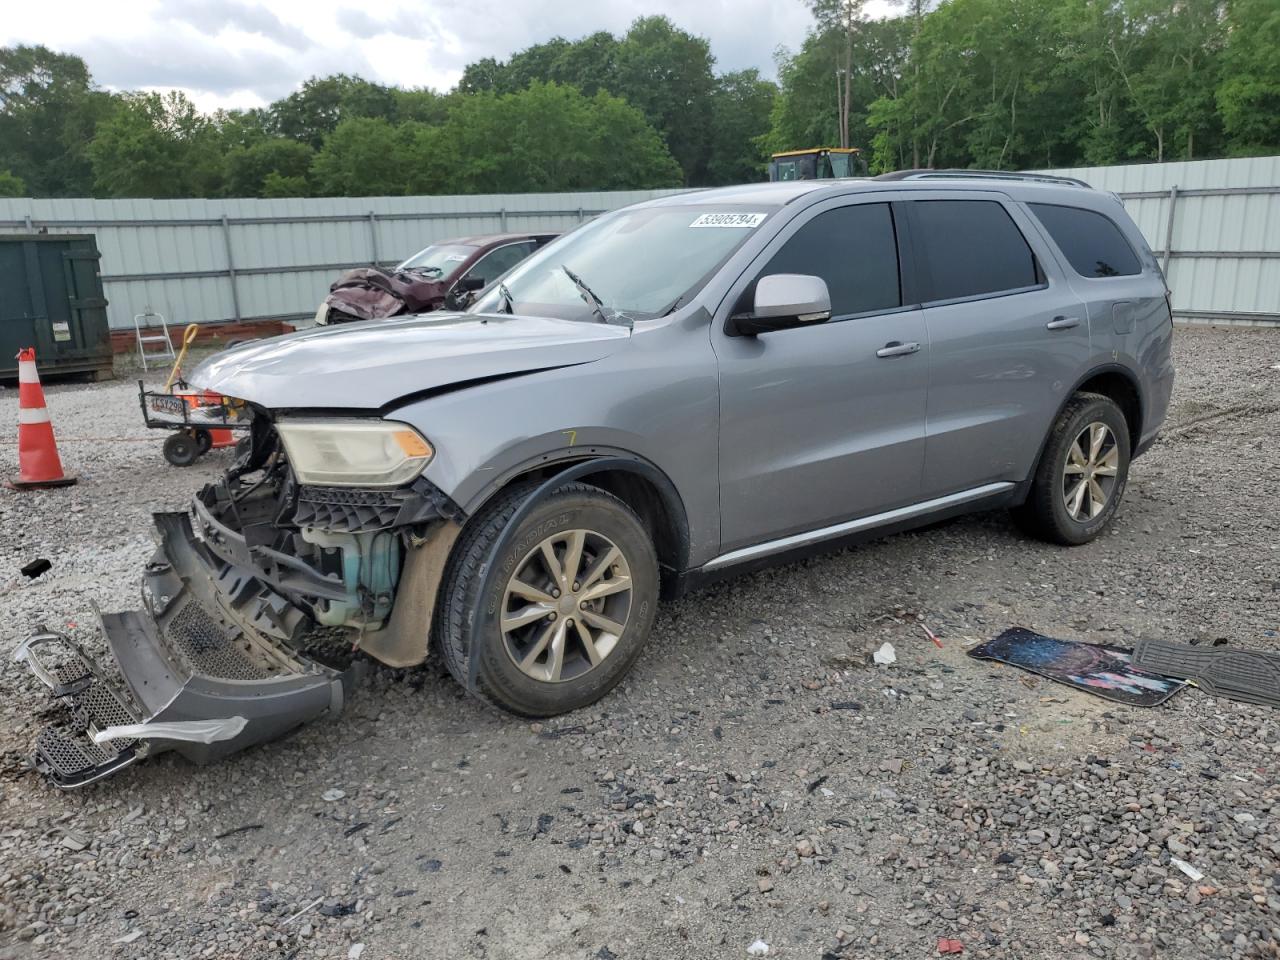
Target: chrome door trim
x,y
853,526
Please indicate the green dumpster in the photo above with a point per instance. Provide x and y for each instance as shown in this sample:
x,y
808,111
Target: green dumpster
x,y
51,299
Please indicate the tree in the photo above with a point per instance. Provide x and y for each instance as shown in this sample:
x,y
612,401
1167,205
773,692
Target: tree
x,y
807,111
845,19
1166,56
48,112
666,73
535,64
315,111
1249,92
590,64
363,157
156,145
487,75
741,105
276,185
544,138
248,168
11,185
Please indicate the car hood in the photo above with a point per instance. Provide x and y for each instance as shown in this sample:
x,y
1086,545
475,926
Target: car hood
x,y
369,366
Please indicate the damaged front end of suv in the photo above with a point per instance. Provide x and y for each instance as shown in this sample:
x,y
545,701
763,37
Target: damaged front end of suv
x,y
314,526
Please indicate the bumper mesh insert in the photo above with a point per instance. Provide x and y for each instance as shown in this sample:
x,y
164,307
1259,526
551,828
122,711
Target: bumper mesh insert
x,y
208,649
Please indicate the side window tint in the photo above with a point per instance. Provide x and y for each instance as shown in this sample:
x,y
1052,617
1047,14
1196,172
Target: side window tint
x,y
495,264
1091,242
973,247
854,250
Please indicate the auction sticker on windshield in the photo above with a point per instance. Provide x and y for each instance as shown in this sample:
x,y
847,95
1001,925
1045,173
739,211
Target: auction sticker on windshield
x,y
748,220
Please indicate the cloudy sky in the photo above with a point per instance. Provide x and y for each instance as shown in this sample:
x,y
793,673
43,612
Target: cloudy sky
x,y
244,53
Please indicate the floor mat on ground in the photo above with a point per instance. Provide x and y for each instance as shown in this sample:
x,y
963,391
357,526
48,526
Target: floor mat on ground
x,y
1106,671
1249,675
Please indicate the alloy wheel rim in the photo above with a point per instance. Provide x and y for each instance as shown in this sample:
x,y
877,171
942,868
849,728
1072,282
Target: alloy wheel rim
x,y
566,606
1090,473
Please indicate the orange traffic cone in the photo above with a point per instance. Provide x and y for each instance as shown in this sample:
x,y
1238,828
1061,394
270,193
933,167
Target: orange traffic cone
x,y
38,461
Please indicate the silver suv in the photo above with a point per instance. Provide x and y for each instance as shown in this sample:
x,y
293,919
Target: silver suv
x,y
678,390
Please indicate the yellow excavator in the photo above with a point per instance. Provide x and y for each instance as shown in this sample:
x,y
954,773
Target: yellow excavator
x,y
817,163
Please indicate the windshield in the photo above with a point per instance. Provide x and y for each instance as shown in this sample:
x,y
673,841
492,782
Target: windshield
x,y
439,259
639,262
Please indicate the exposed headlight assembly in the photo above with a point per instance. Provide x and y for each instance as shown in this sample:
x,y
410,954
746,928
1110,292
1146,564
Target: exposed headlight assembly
x,y
354,453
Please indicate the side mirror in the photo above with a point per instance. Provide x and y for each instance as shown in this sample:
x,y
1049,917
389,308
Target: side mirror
x,y
783,301
471,284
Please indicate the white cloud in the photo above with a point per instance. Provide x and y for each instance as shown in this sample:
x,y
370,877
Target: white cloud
x,y
241,53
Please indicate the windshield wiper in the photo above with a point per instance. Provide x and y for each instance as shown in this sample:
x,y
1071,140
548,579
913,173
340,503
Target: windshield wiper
x,y
508,301
594,302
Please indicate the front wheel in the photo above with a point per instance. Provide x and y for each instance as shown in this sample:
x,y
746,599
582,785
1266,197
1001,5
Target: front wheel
x,y
1082,473
567,609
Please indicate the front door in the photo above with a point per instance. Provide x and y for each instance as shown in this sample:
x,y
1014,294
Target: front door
x,y
825,423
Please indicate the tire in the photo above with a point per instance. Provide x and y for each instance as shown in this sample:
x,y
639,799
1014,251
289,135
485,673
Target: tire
x,y
469,622
181,449
204,442
1056,509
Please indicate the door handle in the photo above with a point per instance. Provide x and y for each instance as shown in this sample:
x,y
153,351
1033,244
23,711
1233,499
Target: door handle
x,y
895,348
1062,323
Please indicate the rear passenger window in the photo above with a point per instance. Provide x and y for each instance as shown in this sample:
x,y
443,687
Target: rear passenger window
x,y
1091,242
854,250
972,247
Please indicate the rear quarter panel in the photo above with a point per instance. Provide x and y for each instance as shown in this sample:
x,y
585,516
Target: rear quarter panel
x,y
1129,322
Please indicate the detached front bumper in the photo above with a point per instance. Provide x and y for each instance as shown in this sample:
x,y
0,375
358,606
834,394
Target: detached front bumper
x,y
208,669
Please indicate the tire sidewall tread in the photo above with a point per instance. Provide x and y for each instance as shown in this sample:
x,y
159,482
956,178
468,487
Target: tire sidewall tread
x,y
1044,514
467,620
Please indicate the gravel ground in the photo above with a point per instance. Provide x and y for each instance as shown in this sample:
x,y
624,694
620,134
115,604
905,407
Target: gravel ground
x,y
753,780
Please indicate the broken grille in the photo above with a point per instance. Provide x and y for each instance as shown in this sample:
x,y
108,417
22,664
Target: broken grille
x,y
208,649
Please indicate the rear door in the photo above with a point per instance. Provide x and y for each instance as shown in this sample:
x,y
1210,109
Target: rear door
x,y
1107,273
822,424
1008,334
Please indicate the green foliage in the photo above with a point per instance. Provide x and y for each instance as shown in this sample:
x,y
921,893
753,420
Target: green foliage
x,y
156,145
248,168
1036,83
966,83
666,73
1249,94
543,138
657,67
11,185
48,111
741,105
362,157
316,110
277,185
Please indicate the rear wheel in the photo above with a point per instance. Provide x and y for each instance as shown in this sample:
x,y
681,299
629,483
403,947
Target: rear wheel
x,y
568,610
204,442
1082,474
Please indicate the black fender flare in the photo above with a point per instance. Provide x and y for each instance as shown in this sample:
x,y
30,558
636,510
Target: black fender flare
x,y
582,468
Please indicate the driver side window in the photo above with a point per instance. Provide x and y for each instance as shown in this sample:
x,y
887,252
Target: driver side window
x,y
855,250
497,262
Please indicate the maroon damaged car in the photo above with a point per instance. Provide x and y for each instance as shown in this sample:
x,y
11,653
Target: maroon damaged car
x,y
445,275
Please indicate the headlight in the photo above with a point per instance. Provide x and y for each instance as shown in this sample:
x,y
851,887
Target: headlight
x,y
354,453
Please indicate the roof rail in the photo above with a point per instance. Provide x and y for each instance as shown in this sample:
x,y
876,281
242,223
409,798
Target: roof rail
x,y
981,175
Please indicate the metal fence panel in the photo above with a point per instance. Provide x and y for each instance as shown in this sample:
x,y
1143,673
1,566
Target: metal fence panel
x,y
1216,222
206,260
